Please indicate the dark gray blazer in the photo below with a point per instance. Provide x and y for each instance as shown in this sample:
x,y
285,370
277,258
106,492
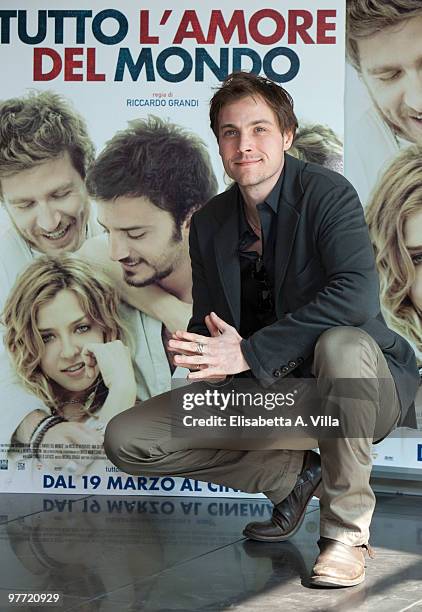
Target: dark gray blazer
x,y
325,277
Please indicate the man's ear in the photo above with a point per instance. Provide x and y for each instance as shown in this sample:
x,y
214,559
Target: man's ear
x,y
186,223
287,140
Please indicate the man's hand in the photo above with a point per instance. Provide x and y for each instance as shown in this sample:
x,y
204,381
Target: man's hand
x,y
213,357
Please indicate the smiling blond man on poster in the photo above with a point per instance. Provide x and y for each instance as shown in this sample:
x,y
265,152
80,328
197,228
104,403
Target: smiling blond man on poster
x,y
384,45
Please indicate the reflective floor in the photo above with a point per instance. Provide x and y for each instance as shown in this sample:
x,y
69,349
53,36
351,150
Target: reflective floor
x,y
117,553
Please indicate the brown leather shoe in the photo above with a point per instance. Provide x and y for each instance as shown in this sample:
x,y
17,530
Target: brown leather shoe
x,y
339,565
288,515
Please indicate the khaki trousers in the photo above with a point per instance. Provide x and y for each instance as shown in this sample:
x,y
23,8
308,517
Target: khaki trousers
x,y
139,441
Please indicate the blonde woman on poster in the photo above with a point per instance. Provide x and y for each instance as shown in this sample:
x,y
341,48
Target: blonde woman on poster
x,y
68,342
318,144
394,217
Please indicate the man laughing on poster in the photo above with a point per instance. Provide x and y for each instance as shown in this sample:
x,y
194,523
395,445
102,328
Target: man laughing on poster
x,y
384,45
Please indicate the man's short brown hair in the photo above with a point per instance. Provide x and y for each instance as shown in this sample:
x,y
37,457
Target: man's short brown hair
x,y
159,160
242,84
368,17
38,127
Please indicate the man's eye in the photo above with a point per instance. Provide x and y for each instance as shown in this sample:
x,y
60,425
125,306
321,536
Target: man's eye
x,y
61,194
137,236
390,76
82,329
230,132
26,205
259,128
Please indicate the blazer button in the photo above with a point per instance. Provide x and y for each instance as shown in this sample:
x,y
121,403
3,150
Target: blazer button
x,y
276,373
292,364
300,360
284,369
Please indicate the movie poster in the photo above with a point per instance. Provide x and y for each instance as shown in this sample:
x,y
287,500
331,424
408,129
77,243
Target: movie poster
x,y
383,152
158,62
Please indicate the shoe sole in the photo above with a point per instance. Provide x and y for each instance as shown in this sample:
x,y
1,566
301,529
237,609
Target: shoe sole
x,y
326,581
286,536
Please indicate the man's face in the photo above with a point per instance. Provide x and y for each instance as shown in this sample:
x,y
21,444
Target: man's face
x,y
391,66
251,144
48,205
413,242
143,239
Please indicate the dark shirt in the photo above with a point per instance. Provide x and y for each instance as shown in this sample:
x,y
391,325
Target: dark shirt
x,y
257,271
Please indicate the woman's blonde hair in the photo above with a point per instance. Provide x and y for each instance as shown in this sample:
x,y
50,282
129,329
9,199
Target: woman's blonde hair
x,y
397,196
41,281
318,143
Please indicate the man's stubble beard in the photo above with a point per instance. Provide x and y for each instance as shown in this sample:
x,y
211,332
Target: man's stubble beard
x,y
157,276
257,180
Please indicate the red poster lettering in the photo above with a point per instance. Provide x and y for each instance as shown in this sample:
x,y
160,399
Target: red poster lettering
x,y
299,22
189,19
39,54
271,39
144,36
323,27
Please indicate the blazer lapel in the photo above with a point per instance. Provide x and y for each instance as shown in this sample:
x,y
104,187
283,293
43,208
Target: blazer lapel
x,y
287,220
225,246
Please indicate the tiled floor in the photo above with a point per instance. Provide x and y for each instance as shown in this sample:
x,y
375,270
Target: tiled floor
x,y
164,554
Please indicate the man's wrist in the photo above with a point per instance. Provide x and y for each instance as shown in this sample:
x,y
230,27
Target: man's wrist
x,y
221,382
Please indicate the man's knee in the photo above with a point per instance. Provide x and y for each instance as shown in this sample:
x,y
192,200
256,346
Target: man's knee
x,y
341,351
115,439
122,443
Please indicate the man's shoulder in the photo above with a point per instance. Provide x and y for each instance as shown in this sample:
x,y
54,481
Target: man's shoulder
x,y
13,248
216,208
15,255
309,185
94,247
315,176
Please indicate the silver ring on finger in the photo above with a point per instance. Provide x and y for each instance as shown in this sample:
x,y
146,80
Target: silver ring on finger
x,y
200,348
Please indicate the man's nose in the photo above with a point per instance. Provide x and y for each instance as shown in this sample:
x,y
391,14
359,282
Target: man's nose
x,y
48,219
118,248
244,143
413,94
